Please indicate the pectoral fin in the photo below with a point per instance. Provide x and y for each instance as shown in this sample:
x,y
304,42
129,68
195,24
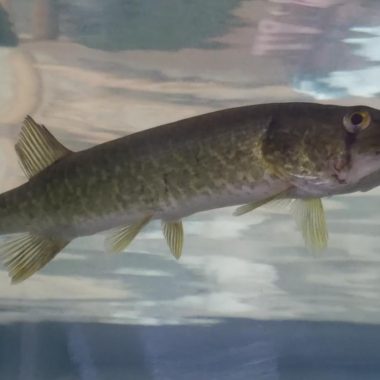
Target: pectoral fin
x,y
308,213
173,233
276,199
245,209
120,238
310,219
27,253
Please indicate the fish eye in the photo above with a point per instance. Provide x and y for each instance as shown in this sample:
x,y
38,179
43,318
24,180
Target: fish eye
x,y
356,121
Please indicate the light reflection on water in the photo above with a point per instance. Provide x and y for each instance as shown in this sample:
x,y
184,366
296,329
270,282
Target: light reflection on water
x,y
90,76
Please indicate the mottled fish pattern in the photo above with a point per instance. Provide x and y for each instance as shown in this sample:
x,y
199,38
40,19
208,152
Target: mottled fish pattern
x,y
245,156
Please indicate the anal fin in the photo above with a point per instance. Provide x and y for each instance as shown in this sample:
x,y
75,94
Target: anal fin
x,y
27,253
173,232
120,238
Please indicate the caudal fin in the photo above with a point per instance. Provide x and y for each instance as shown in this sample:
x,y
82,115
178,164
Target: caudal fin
x,y
25,254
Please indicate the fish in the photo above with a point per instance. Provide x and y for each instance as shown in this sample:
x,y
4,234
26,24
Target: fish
x,y
248,156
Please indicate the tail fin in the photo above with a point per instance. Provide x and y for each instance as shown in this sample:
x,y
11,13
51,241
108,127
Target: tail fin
x,y
24,254
27,253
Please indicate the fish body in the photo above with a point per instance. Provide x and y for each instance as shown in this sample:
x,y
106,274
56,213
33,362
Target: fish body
x,y
167,172
246,155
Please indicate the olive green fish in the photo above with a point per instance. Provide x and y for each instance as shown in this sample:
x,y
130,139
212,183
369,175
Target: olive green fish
x,y
245,156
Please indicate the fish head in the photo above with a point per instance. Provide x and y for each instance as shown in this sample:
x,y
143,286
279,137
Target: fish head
x,y
324,149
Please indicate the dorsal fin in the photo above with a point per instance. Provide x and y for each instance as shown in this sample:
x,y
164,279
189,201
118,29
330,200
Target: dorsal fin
x,y
37,148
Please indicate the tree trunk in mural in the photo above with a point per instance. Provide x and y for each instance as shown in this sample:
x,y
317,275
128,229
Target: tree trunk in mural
x,y
45,20
7,35
6,4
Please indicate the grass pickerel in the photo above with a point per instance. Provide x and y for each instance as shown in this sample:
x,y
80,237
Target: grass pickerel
x,y
245,156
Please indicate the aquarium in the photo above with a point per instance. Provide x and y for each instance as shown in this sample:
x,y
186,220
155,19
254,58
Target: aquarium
x,y
246,299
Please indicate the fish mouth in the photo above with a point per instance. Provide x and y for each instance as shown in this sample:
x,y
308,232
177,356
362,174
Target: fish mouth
x,y
364,170
357,167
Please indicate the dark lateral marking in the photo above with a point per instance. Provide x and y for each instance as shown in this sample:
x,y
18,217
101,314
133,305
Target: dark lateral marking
x,y
165,178
197,158
350,140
